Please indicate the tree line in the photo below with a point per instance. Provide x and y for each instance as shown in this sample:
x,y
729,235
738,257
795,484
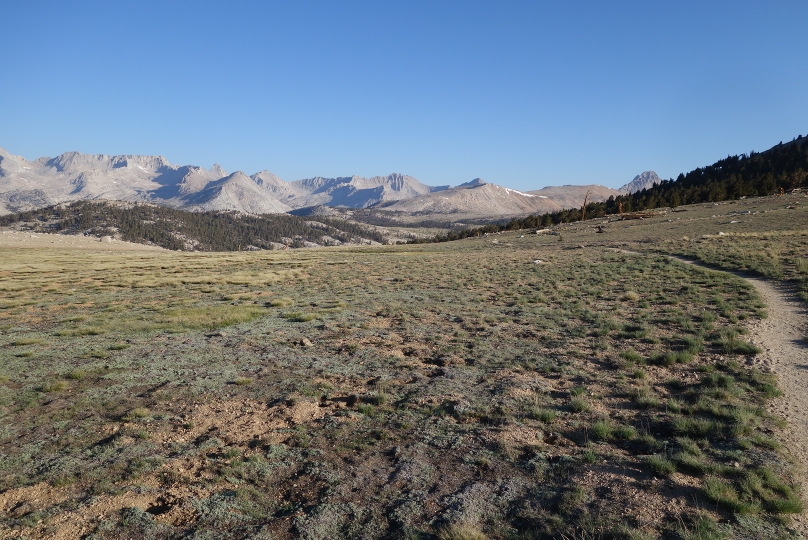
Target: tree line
x,y
780,169
175,229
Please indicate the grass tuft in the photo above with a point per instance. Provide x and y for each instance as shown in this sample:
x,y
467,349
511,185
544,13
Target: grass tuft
x,y
77,374
579,405
462,531
661,465
601,430
56,386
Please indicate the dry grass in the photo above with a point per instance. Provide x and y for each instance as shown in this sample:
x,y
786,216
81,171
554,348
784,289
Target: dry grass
x,y
363,392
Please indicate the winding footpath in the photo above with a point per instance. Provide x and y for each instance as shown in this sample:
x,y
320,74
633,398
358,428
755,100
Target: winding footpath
x,y
782,336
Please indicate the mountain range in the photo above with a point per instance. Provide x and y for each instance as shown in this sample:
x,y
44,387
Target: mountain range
x,y
477,199
72,176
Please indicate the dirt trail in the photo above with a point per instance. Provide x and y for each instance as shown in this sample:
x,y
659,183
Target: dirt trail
x,y
782,336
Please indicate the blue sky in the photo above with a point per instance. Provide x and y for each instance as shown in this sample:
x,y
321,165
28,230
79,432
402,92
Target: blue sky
x,y
522,94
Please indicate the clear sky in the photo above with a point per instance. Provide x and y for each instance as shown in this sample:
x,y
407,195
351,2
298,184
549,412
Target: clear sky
x,y
522,94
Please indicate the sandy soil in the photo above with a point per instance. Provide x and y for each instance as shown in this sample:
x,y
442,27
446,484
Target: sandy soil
x,y
17,239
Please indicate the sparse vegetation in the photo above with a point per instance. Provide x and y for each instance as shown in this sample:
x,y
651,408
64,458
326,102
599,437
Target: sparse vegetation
x,y
661,465
450,390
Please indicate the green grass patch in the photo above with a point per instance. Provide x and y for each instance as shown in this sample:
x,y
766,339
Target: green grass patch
x,y
601,430
579,405
661,465
56,386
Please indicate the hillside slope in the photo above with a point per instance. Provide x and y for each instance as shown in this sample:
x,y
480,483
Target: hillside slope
x,y
478,199
191,231
781,169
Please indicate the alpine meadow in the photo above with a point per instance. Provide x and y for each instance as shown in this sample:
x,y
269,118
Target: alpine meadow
x,y
363,270
585,381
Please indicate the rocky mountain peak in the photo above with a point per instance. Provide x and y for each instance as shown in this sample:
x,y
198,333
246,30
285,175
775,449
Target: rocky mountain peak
x,y
217,171
477,182
641,181
10,163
